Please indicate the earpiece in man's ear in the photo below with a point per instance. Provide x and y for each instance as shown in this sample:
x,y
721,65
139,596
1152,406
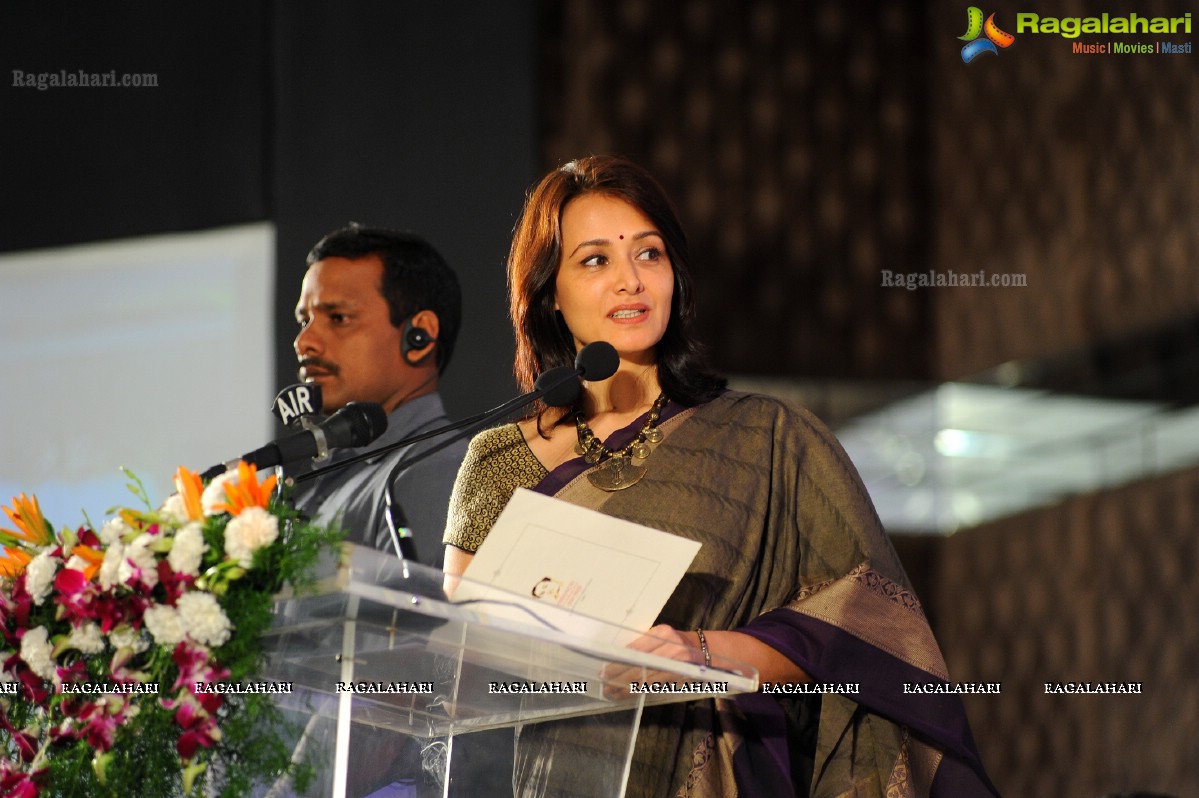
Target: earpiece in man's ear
x,y
414,338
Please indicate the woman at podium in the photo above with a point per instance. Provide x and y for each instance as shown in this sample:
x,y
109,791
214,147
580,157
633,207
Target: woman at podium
x,y
794,575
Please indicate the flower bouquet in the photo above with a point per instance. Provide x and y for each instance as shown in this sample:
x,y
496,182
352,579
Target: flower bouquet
x,y
113,639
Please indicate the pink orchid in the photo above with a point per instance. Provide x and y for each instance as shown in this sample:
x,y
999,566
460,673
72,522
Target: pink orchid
x,y
204,735
26,743
112,611
22,603
198,724
75,672
16,784
176,584
34,689
195,666
75,592
101,728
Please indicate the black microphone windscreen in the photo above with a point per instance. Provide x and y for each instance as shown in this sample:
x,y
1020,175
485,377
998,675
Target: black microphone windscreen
x,y
597,361
356,424
563,384
297,401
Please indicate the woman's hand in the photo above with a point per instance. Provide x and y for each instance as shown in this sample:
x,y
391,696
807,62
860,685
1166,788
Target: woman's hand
x,y
662,641
666,641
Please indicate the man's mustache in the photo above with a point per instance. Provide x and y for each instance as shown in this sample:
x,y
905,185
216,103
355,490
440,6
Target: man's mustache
x,y
317,363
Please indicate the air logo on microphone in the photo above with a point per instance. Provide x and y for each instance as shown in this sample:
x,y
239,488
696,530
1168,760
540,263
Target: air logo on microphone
x,y
296,401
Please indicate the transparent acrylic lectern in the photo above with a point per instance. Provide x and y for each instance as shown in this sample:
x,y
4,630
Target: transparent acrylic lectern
x,y
403,694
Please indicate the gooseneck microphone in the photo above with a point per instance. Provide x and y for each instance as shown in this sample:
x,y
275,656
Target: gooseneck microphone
x,y
557,387
356,424
561,388
595,362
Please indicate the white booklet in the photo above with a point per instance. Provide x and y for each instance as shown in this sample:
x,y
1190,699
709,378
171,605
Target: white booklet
x,y
568,564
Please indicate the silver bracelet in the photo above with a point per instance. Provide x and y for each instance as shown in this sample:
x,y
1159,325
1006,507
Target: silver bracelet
x,y
703,645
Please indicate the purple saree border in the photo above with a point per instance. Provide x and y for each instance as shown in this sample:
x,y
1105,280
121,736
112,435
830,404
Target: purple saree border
x,y
763,760
832,656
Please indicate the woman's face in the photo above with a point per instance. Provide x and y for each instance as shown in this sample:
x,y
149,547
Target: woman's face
x,y
615,281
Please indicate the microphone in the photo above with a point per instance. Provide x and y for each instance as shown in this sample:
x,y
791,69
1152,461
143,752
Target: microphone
x,y
557,387
560,387
595,362
356,424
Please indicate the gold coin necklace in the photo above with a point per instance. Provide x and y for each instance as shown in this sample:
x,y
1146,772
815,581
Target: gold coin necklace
x,y
625,467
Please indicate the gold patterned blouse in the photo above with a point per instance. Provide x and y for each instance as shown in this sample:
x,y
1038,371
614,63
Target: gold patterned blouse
x,y
497,462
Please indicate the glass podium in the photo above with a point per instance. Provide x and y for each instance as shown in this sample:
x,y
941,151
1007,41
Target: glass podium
x,y
402,693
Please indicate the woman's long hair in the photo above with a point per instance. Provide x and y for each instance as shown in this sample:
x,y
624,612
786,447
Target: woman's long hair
x,y
542,338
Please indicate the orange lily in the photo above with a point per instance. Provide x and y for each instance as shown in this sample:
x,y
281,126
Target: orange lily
x,y
26,513
13,563
132,518
247,492
93,557
190,487
32,533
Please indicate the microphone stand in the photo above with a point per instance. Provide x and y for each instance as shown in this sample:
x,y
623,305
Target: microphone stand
x,y
397,525
596,361
393,513
472,424
401,535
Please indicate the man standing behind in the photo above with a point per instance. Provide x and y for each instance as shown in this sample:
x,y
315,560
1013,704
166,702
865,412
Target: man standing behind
x,y
379,311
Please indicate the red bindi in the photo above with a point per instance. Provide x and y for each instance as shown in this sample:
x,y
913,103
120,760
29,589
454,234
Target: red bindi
x,y
622,238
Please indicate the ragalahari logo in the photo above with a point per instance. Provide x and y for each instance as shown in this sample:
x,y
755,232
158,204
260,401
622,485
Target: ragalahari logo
x,y
975,27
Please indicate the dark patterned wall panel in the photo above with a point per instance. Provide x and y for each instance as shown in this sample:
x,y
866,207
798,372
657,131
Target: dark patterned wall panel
x,y
1080,171
792,138
811,146
1101,588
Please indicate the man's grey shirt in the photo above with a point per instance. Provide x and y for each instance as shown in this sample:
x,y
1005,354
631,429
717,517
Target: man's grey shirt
x,y
353,496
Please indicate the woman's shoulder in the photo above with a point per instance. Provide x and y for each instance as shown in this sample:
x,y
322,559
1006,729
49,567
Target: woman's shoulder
x,y
501,449
751,405
496,439
787,422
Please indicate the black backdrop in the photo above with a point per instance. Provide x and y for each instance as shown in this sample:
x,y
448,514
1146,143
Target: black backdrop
x,y
404,114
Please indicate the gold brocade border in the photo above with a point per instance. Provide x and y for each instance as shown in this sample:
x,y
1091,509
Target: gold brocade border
x,y
923,763
856,605
899,783
912,776
874,581
712,774
701,759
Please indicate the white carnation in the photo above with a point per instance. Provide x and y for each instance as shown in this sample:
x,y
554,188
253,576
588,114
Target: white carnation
x,y
128,637
114,529
39,576
37,652
77,563
214,493
203,618
86,638
174,509
252,529
165,624
187,550
110,567
139,561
